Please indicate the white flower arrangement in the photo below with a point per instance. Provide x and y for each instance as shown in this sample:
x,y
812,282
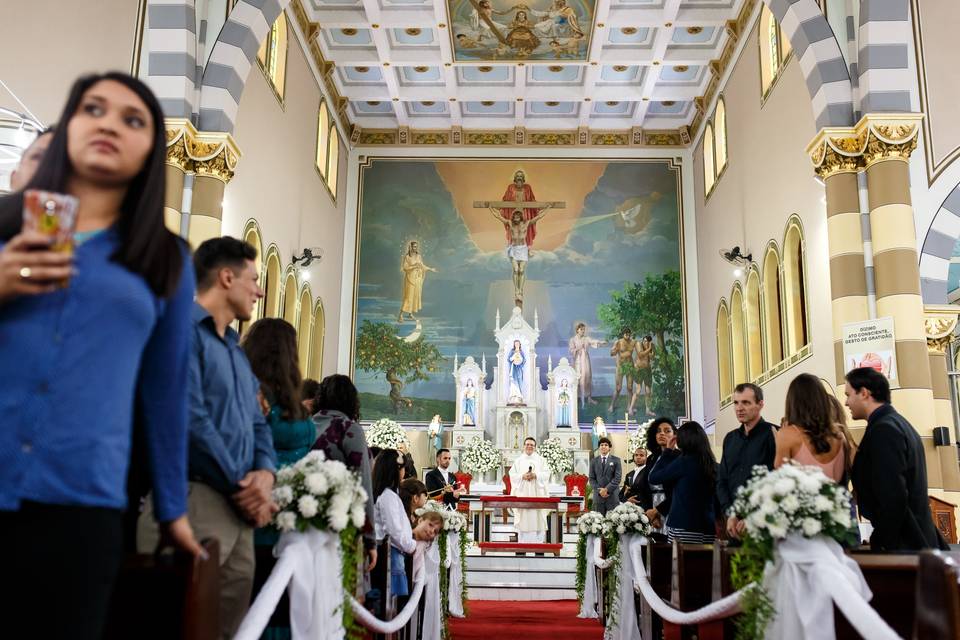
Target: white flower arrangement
x,y
593,523
481,456
387,434
318,493
638,439
628,518
793,499
558,458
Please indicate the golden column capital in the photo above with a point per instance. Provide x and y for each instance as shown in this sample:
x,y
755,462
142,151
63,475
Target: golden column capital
x,y
206,153
939,322
875,138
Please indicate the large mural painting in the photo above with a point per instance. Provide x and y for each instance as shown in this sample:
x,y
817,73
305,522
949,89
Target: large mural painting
x,y
590,251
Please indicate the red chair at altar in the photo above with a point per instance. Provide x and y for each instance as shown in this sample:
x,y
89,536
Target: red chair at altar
x,y
576,486
463,506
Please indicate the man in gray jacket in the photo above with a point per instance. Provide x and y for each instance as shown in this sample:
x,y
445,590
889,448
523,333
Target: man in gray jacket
x,y
605,472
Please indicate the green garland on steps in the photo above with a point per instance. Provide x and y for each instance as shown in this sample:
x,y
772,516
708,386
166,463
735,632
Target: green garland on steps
x,y
350,558
464,543
444,585
612,579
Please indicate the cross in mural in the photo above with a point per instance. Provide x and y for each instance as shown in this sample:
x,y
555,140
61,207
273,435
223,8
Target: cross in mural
x,y
519,211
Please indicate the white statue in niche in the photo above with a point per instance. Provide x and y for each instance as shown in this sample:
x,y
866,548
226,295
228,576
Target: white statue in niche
x,y
516,360
563,404
470,404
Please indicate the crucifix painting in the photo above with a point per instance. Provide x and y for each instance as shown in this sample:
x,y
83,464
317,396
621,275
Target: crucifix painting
x,y
519,212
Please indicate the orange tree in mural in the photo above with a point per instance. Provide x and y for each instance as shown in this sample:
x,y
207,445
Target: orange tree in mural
x,y
379,348
653,307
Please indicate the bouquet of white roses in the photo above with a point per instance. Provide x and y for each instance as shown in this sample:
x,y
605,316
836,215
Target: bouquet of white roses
x,y
593,523
558,458
793,499
628,518
318,493
386,434
480,456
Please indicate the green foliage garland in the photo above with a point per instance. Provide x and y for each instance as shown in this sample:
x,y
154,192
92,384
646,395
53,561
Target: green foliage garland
x,y
444,585
350,557
463,569
746,568
612,580
581,580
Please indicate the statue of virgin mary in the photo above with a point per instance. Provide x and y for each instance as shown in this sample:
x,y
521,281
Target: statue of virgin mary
x,y
516,360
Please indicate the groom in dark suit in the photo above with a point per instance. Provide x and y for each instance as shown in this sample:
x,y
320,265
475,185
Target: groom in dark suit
x,y
890,472
605,473
441,483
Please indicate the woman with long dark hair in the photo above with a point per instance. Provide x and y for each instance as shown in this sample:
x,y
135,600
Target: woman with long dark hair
x,y
104,331
413,495
660,435
391,517
691,475
340,437
811,434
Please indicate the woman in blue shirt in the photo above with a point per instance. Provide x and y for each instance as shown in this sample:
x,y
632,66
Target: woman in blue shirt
x,y
691,477
271,348
112,342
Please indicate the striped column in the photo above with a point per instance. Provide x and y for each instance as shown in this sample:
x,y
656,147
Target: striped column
x,y
883,61
838,168
889,141
179,165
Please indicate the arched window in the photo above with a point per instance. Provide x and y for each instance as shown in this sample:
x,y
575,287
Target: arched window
x,y
333,159
709,173
272,56
772,308
252,236
720,135
323,139
271,285
754,340
724,365
290,299
737,341
305,328
794,289
316,350
769,49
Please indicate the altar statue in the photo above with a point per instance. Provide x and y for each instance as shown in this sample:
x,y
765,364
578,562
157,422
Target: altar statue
x,y
470,404
434,429
528,478
563,405
579,345
414,271
516,361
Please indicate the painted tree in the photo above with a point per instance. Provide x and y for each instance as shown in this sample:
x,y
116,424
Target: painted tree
x,y
380,349
653,307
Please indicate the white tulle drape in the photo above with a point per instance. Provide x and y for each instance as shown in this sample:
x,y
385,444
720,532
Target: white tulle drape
x,y
455,582
588,608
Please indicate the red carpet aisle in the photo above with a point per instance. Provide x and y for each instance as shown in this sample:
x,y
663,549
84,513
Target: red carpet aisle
x,y
526,619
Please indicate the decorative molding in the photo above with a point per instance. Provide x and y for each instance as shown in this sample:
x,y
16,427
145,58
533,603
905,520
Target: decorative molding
x,y
431,137
552,138
875,138
206,153
939,323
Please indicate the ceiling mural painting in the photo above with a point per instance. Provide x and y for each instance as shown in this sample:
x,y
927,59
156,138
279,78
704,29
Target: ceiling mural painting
x,y
505,30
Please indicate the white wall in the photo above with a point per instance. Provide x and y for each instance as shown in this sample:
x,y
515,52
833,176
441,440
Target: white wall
x,y
768,177
277,184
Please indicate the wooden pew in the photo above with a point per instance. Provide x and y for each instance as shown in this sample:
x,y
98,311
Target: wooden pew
x,y
938,596
722,586
892,578
170,596
691,584
659,564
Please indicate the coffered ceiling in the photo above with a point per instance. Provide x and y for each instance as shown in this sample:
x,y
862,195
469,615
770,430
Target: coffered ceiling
x,y
540,65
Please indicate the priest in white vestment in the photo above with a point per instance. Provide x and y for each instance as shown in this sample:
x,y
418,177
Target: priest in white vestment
x,y
528,478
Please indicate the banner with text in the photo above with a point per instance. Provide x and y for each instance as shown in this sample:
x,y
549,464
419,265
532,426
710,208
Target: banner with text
x,y
871,343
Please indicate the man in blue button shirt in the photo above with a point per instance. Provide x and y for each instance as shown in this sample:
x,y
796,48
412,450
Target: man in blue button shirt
x,y
232,460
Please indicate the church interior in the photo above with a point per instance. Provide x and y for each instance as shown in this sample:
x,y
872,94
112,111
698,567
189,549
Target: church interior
x,y
569,222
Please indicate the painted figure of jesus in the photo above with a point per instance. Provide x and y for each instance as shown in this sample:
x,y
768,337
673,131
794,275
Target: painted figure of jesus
x,y
520,233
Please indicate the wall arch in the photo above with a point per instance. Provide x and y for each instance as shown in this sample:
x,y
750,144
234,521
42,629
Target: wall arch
x,y
753,339
772,303
938,249
738,345
290,297
821,60
724,364
315,368
794,287
251,235
273,283
304,327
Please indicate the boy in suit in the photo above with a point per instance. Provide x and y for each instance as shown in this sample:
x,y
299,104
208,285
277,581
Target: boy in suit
x,y
605,473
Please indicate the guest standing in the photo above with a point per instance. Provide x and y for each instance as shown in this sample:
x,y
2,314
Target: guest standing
x,y
340,437
271,348
605,470
80,359
810,435
660,436
750,445
691,476
232,460
890,470
441,483
636,489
